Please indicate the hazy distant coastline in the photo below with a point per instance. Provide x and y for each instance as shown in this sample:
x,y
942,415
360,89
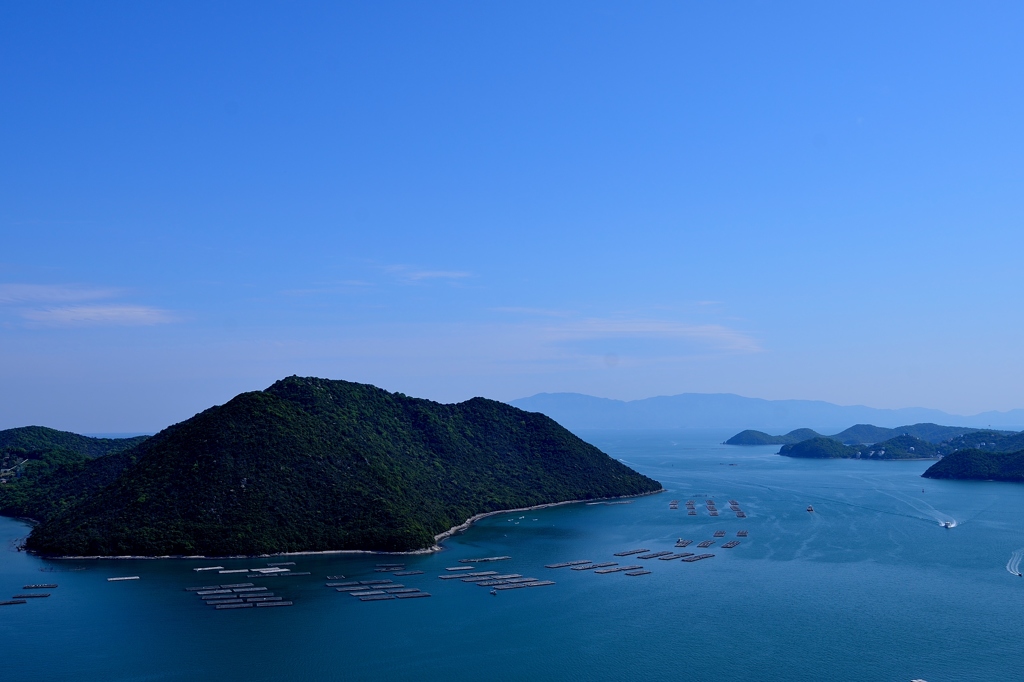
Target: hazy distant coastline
x,y
578,412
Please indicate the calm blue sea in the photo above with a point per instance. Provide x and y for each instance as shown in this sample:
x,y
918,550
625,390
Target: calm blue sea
x,y
868,587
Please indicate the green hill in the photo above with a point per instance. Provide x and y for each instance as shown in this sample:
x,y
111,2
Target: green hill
x,y
312,465
868,433
979,466
818,448
751,437
900,447
38,439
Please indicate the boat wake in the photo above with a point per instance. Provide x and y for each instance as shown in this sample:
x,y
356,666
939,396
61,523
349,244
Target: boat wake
x,y
1013,565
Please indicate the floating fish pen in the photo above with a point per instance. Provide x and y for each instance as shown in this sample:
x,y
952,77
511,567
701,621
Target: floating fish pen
x,y
741,533
350,583
367,593
335,577
413,595
337,584
719,533
282,563
672,557
633,551
683,543
569,563
698,557
730,544
12,602
389,570
674,502
740,515
638,573
593,566
487,558
475,579
374,582
229,587
217,602
706,543
735,507
540,583
206,587
616,569
733,502
403,590
273,603
710,503
43,586
389,565
31,595
249,589
408,573
653,555
460,568
514,586
208,568
713,513
377,597
350,589
260,600
478,574
692,512
240,570
124,577
288,575
233,606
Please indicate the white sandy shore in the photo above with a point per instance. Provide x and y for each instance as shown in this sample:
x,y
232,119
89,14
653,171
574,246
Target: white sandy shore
x,y
454,530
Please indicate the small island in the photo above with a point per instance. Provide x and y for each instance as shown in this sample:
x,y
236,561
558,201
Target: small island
x,y
309,465
979,465
866,441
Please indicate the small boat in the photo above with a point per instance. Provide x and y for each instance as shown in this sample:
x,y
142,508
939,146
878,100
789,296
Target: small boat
x,y
494,593
810,508
947,524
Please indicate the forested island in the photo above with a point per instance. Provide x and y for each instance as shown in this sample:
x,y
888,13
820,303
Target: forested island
x,y
915,441
307,465
979,465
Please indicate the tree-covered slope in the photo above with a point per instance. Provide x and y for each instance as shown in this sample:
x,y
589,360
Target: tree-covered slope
x,y
818,448
900,447
980,466
751,437
311,464
38,439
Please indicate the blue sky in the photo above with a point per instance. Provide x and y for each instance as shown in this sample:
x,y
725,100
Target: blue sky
x,y
809,200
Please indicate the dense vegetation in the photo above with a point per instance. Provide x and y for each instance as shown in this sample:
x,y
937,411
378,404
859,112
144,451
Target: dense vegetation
x,y
979,465
751,437
311,464
44,470
900,447
860,434
35,440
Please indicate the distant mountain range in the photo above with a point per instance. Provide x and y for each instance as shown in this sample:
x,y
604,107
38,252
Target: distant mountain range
x,y
579,412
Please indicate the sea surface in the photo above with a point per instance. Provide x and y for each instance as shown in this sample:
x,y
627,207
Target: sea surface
x,y
870,586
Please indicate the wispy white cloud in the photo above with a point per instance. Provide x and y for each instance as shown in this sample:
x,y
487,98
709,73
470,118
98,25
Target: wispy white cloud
x,y
120,315
410,274
52,293
715,335
536,312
